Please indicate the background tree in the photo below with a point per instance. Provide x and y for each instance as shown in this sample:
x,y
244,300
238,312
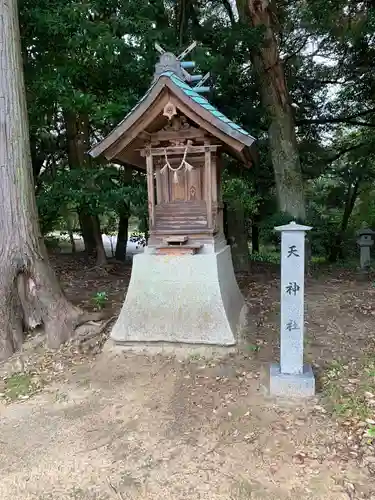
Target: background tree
x,y
277,103
101,62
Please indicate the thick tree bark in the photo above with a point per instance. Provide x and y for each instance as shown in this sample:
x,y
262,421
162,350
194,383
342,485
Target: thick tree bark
x,y
78,140
237,237
30,293
277,104
122,236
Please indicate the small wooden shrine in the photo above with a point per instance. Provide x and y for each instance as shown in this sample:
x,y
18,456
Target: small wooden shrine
x,y
178,137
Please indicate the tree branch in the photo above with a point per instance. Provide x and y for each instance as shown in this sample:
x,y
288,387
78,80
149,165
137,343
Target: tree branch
x,y
358,123
317,50
324,121
351,119
295,52
344,151
326,81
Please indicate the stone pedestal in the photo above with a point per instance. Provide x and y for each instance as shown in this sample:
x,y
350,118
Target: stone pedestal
x,y
292,384
185,299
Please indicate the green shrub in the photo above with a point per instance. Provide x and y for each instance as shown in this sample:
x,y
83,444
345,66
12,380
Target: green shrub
x,y
100,299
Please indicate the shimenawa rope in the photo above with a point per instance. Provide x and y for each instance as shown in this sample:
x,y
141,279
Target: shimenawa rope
x,y
183,163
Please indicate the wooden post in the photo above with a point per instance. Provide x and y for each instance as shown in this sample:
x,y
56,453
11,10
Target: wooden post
x,y
208,177
219,170
214,179
216,187
159,188
150,188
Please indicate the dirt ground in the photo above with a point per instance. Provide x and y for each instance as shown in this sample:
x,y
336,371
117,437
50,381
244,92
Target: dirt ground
x,y
116,426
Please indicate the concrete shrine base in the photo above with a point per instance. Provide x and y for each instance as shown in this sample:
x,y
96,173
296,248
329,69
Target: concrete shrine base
x,y
181,299
293,385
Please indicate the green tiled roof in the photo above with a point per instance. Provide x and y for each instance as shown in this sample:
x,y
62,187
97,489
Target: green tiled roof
x,y
219,120
196,97
202,101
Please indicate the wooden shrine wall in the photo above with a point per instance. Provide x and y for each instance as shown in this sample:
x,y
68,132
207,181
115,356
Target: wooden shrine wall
x,y
190,186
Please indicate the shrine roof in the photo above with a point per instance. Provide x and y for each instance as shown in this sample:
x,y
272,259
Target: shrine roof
x,y
193,99
199,99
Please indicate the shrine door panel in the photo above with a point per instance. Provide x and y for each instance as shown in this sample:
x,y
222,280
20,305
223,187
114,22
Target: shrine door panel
x,y
189,186
177,190
194,184
162,184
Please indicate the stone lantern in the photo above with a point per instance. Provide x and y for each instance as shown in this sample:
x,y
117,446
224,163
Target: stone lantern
x,y
365,242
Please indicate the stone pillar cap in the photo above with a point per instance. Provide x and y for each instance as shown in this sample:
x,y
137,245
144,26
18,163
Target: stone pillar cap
x,y
292,226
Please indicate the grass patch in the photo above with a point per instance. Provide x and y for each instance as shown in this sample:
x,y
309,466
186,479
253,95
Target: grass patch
x,y
321,264
268,257
252,347
194,357
349,390
318,260
20,386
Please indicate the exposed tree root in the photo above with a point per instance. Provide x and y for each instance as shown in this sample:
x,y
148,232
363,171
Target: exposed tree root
x,y
34,299
91,336
85,332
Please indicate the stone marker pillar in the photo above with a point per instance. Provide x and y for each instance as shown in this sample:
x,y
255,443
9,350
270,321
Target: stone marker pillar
x,y
365,242
292,377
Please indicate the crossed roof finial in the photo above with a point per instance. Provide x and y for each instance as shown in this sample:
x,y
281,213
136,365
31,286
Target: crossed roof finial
x,y
170,62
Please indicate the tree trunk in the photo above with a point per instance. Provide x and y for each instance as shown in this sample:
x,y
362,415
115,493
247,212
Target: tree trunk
x,y
37,161
124,214
78,140
237,237
70,233
30,293
101,257
85,222
76,159
72,241
277,104
351,198
254,238
122,236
